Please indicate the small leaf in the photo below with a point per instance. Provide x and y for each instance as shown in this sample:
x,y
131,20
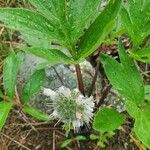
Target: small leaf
x,y
142,127
4,111
10,70
80,138
124,76
51,55
107,119
99,29
66,143
36,113
33,85
141,55
94,137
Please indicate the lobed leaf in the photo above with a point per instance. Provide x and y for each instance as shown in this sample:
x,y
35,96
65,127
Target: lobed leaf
x,y
107,119
4,111
10,70
124,76
103,24
33,85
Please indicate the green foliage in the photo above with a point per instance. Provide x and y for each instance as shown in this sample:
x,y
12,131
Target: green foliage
x,y
99,29
142,121
51,55
10,70
136,20
36,113
4,111
141,127
132,108
124,76
69,141
104,120
81,14
33,85
142,55
147,92
62,23
28,22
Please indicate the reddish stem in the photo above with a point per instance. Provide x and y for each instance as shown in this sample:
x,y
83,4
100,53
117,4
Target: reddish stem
x,y
79,78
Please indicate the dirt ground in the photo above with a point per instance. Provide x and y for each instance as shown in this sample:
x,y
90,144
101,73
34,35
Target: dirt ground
x,y
22,132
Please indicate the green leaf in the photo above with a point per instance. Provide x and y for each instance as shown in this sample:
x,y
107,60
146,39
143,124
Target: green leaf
x,y
55,11
136,20
10,70
33,85
82,13
4,111
80,138
36,113
52,55
103,24
147,92
1,94
142,127
66,143
124,76
132,109
35,41
107,119
29,23
141,55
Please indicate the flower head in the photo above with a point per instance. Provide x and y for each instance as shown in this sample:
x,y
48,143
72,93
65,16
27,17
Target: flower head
x,y
71,107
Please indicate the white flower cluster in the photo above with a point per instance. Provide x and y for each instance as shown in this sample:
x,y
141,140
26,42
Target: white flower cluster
x,y
71,107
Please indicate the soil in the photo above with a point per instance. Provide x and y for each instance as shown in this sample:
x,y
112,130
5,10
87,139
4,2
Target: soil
x,y
22,132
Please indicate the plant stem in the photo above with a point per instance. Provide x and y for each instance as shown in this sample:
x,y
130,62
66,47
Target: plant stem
x,y
94,80
79,78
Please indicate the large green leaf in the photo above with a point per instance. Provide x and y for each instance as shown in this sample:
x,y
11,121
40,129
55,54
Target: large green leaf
x,y
10,70
82,13
142,127
29,22
124,76
56,12
136,20
107,119
103,24
4,111
33,85
36,113
52,55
